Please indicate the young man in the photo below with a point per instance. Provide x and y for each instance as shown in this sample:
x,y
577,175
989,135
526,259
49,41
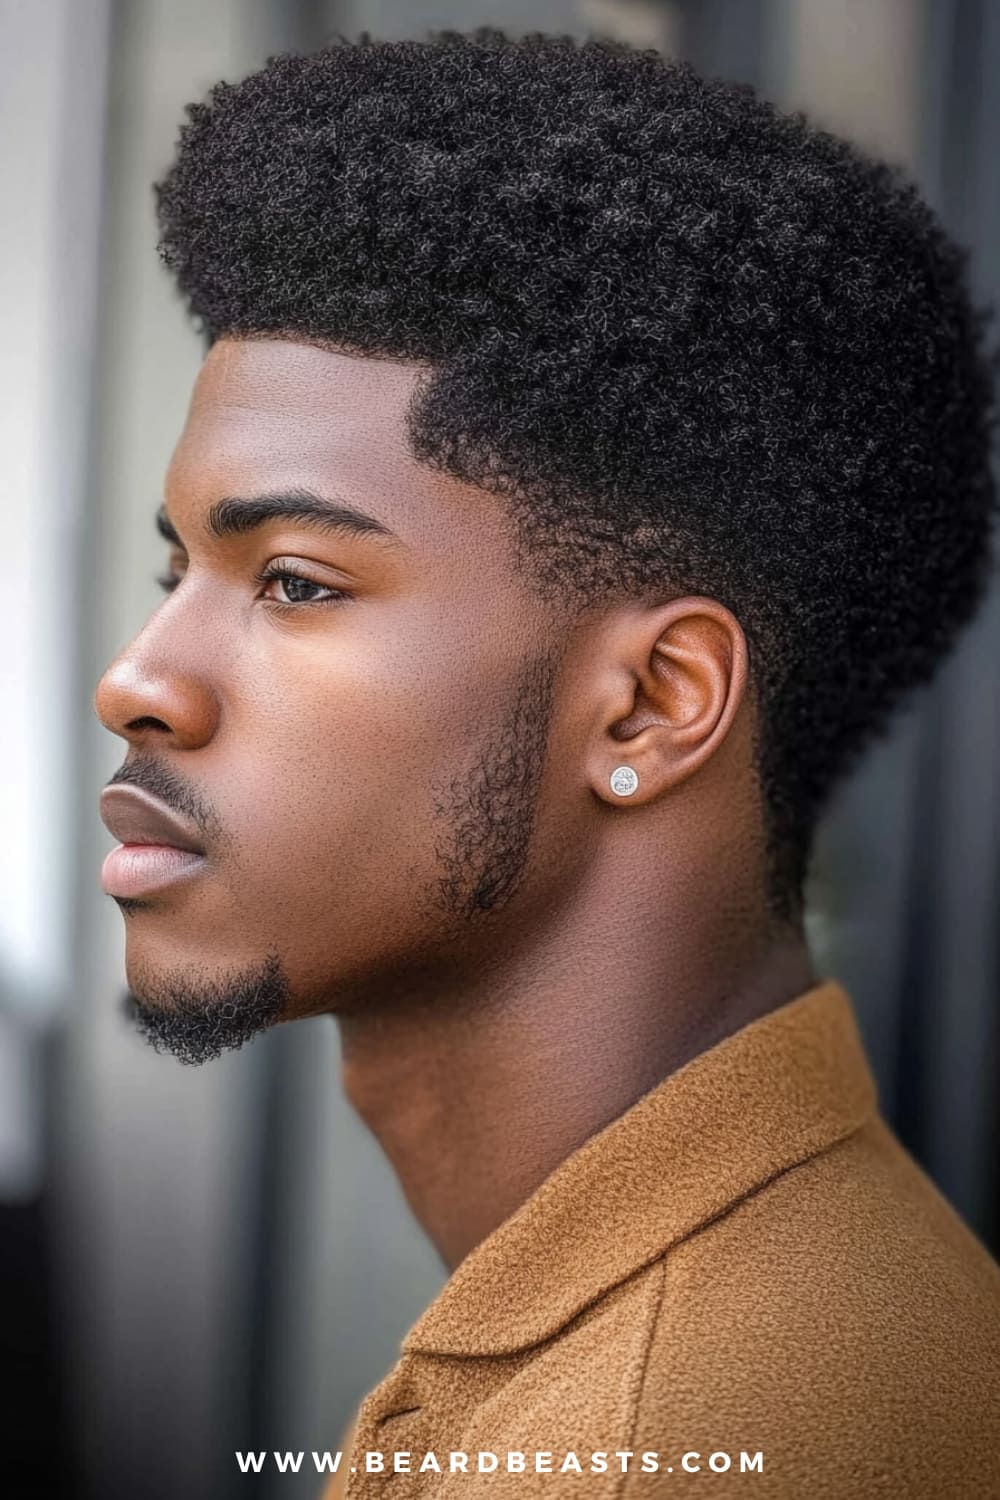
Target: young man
x,y
587,460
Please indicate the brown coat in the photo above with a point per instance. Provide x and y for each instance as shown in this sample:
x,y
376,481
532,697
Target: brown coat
x,y
745,1261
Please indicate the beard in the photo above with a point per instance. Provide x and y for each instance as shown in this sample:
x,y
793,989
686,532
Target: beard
x,y
488,816
198,1021
489,811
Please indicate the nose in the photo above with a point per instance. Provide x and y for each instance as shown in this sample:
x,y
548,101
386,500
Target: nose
x,y
146,703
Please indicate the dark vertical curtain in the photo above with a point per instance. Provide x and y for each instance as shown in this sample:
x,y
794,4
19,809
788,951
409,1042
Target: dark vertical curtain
x,y
949,995
905,887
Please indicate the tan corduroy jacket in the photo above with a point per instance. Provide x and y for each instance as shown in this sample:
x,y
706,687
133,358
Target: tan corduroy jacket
x,y
746,1262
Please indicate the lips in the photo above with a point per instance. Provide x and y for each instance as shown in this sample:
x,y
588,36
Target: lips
x,y
134,817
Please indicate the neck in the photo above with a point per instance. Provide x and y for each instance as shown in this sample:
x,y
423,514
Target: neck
x,y
477,1092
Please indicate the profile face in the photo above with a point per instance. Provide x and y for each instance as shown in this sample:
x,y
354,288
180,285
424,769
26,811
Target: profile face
x,y
359,750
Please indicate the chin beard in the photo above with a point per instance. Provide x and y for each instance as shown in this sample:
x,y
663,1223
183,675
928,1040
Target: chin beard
x,y
196,1022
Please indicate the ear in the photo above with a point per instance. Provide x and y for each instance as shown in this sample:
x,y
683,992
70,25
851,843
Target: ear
x,y
674,678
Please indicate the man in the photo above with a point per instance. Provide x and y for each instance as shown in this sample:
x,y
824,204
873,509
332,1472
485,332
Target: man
x,y
587,460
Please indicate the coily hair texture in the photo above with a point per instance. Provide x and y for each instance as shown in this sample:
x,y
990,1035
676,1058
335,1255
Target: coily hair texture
x,y
699,345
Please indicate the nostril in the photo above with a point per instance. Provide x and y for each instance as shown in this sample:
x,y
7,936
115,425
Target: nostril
x,y
147,723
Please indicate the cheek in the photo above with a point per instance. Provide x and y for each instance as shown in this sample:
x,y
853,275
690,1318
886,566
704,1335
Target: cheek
x,y
337,862
337,799
347,745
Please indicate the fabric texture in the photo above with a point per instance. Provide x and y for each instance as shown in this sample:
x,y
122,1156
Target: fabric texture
x,y
746,1261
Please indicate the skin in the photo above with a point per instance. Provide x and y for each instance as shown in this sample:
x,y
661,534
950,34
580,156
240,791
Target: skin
x,y
406,801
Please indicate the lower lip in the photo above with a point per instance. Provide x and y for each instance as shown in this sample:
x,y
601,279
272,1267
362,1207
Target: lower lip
x,y
137,869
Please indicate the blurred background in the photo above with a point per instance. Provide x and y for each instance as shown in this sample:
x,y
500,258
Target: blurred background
x,y
196,1261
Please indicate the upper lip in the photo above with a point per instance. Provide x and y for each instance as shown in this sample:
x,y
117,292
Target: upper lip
x,y
134,817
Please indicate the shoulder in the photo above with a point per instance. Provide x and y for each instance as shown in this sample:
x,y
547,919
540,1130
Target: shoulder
x,y
841,1320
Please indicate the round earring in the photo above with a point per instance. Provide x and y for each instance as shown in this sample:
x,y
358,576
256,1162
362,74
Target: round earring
x,y
624,781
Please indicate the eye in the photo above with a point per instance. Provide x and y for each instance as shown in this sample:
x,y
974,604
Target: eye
x,y
296,585
169,580
299,590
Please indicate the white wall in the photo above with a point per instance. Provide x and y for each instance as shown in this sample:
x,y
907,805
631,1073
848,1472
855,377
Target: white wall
x,y
49,186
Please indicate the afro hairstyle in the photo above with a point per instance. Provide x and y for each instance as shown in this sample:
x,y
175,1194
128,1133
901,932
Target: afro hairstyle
x,y
697,344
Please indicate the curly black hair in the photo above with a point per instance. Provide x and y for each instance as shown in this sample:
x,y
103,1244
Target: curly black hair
x,y
698,344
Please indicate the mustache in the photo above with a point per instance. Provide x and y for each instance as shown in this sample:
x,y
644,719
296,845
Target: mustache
x,y
173,791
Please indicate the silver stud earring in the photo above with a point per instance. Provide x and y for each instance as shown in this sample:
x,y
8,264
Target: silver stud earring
x,y
624,781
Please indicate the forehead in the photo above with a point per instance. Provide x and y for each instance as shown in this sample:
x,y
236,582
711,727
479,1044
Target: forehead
x,y
268,414
261,403
282,379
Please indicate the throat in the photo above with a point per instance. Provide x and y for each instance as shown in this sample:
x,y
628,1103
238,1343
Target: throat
x,y
476,1104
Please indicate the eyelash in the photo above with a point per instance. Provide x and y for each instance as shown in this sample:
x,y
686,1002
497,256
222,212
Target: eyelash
x,y
169,581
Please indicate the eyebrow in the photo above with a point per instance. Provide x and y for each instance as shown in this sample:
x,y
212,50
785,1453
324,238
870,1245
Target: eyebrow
x,y
236,516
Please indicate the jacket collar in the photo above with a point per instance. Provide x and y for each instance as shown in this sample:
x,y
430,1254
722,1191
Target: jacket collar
x,y
765,1098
